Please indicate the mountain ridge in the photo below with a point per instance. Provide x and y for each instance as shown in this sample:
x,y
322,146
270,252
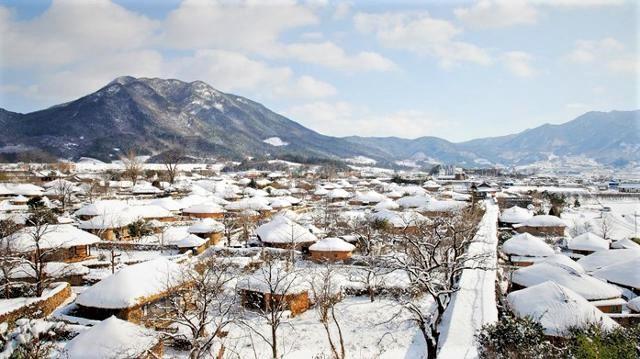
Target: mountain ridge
x,y
154,114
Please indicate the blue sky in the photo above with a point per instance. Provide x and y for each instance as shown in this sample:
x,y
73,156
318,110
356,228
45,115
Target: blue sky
x,y
457,70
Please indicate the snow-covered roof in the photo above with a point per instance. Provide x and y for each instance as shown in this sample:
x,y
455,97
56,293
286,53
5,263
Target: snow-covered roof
x,y
278,203
283,230
51,269
542,221
111,338
413,201
253,192
563,260
101,207
207,225
369,197
394,194
430,184
588,242
386,204
174,234
557,308
109,220
332,244
59,183
601,259
25,189
442,206
131,285
55,236
634,304
275,278
321,191
338,193
524,244
148,211
625,244
145,188
515,214
190,241
167,203
400,219
587,286
626,273
204,208
258,203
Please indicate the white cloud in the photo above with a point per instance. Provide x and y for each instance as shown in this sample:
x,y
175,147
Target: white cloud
x,y
312,35
608,53
577,106
497,13
626,65
233,71
331,55
342,10
69,31
586,51
503,13
307,86
86,77
519,63
344,119
242,26
418,32
577,3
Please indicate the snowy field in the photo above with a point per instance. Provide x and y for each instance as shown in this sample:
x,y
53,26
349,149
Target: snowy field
x,y
621,219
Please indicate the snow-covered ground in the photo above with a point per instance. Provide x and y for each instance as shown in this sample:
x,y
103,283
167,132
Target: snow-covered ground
x,y
622,221
370,330
361,160
275,141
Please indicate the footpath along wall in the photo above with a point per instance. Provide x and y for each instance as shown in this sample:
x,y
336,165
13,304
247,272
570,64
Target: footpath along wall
x,y
474,305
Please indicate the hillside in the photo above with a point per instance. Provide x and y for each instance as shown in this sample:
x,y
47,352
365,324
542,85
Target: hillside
x,y
152,115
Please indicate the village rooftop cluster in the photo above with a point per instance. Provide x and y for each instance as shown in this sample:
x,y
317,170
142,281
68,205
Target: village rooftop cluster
x,y
144,260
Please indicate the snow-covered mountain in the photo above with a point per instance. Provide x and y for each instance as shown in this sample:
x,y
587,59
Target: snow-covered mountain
x,y
152,115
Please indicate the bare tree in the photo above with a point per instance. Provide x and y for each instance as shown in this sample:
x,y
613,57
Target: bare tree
x,y
324,217
605,226
171,159
370,272
433,257
245,220
10,260
230,226
133,168
113,256
293,244
372,235
39,226
205,307
278,281
94,189
64,190
327,294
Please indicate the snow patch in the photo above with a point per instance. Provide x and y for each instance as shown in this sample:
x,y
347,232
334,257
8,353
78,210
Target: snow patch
x,y
361,160
275,141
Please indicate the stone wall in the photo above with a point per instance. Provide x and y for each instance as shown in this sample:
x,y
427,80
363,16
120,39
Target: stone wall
x,y
41,307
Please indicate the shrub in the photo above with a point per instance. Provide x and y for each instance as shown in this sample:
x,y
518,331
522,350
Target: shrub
x,y
514,337
594,342
139,229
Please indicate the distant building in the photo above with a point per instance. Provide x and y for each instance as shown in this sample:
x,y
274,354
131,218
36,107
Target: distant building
x,y
629,188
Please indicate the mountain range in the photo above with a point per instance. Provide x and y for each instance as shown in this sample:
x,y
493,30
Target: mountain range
x,y
153,115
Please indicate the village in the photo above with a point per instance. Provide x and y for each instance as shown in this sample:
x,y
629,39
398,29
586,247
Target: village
x,y
168,260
